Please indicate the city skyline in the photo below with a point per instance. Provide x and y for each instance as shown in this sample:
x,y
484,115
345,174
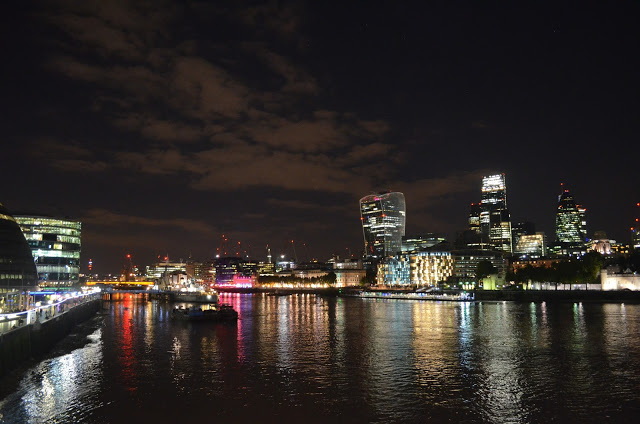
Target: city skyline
x,y
161,126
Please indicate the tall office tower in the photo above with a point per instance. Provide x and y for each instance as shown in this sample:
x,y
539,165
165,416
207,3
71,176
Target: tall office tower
x,y
475,209
383,218
571,225
55,246
495,220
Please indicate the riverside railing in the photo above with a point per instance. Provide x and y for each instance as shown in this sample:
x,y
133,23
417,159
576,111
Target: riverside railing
x,y
42,312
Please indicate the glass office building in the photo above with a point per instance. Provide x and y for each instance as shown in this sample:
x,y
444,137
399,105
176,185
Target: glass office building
x,y
55,245
571,225
383,218
421,269
531,246
495,220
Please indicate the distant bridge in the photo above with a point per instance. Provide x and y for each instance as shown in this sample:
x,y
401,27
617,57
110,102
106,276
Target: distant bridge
x,y
120,283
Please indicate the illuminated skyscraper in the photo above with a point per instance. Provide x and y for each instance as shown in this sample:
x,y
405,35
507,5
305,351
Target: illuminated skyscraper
x,y
495,220
55,246
571,225
383,218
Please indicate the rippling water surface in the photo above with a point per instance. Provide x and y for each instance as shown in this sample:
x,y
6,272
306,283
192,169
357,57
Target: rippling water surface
x,y
321,359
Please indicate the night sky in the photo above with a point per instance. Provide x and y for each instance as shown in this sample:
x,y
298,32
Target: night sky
x,y
163,125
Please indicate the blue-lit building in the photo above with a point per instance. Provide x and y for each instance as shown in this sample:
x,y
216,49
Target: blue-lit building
x,y
55,245
383,218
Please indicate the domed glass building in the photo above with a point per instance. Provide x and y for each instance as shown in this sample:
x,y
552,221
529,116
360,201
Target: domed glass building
x,y
17,269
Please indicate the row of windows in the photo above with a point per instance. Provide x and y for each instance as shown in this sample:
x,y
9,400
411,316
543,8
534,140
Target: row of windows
x,y
57,267
40,221
50,230
57,261
10,276
55,254
55,246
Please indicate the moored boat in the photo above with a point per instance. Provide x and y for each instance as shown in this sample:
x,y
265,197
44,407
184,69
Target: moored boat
x,y
218,312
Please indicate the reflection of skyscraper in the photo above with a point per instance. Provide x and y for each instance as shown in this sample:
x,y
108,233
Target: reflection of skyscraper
x,y
495,220
383,218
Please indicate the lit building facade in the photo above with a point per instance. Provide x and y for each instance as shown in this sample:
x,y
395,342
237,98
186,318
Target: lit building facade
x,y
383,218
55,245
161,269
571,226
421,269
465,264
475,210
414,243
495,220
531,245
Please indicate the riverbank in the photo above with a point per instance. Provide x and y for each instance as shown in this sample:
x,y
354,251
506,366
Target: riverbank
x,y
592,296
34,340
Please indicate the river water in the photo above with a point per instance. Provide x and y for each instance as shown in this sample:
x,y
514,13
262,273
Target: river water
x,y
323,359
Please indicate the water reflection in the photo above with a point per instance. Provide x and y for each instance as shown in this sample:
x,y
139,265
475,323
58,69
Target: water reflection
x,y
316,359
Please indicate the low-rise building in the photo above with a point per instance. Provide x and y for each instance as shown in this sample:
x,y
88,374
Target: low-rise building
x,y
420,269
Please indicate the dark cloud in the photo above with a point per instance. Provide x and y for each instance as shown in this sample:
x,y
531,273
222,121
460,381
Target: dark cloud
x,y
178,120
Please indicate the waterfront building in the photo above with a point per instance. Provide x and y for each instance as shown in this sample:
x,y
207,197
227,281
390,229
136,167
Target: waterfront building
x,y
18,272
571,226
465,265
420,269
619,281
160,269
346,277
348,263
55,245
531,245
266,268
201,271
415,243
227,268
495,219
383,217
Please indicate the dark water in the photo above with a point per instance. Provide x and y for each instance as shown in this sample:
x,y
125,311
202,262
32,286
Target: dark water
x,y
313,359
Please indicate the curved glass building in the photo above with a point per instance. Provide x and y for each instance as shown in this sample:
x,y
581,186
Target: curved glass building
x,y
383,218
17,269
571,226
55,246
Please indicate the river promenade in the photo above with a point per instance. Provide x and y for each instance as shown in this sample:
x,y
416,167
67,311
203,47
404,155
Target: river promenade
x,y
31,333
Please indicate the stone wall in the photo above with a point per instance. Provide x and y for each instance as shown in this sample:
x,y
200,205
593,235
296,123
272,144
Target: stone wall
x,y
619,281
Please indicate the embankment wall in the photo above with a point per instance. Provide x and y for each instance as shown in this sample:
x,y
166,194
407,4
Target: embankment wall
x,y
36,339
